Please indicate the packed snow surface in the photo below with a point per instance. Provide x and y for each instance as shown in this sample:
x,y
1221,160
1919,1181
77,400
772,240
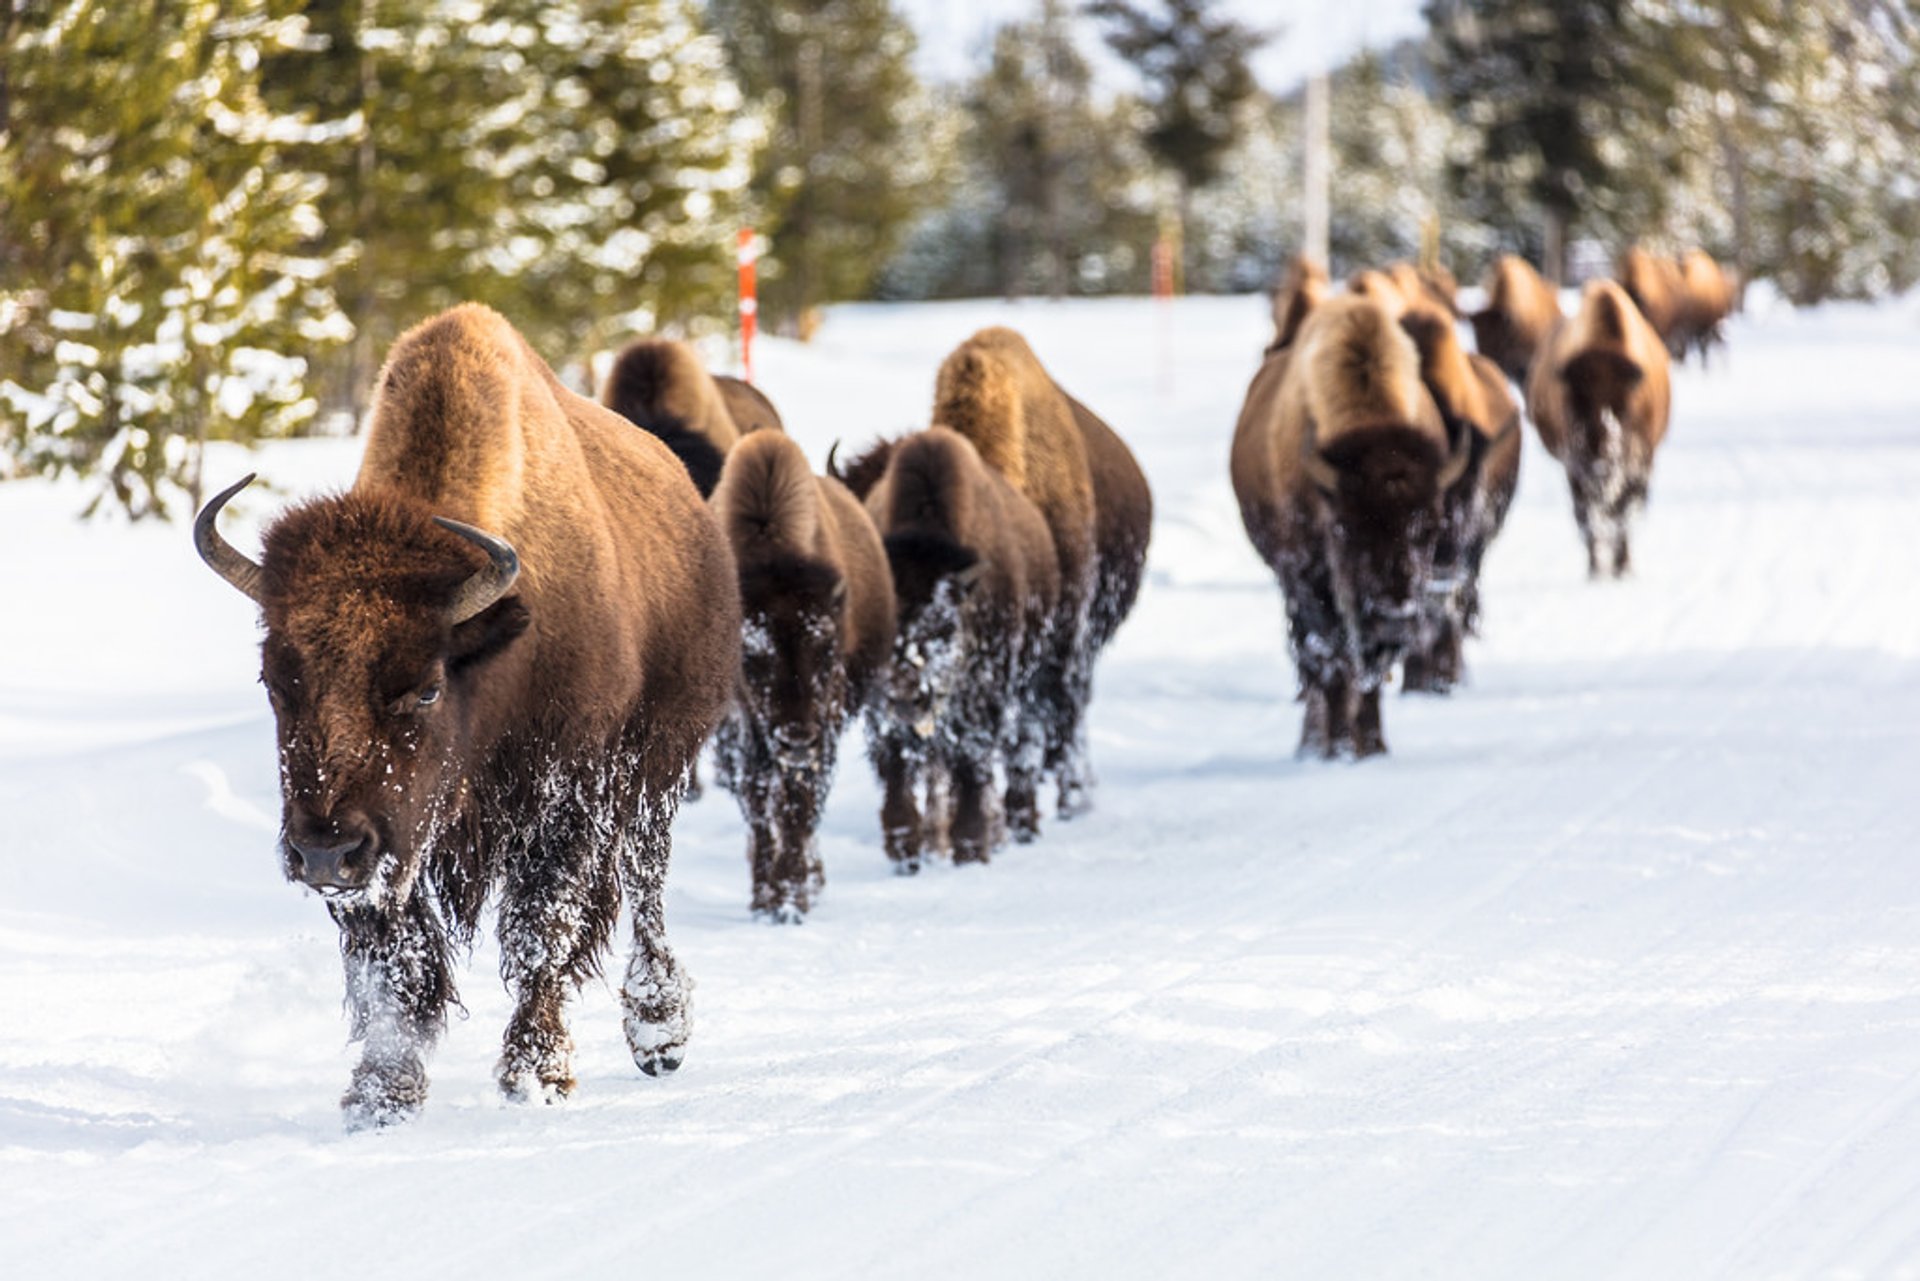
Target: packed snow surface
x,y
1611,969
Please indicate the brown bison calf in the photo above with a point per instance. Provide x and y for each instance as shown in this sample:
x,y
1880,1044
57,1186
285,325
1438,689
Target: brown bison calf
x,y
1093,496
1521,310
510,713
817,599
1340,463
977,589
1599,398
1472,396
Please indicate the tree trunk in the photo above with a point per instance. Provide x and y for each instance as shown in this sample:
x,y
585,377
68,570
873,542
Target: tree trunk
x,y
1553,252
1736,163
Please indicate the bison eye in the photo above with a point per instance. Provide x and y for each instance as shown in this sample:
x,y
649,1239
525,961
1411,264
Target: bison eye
x,y
430,695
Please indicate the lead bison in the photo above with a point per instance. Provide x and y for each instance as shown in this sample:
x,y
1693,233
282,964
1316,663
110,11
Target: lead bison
x,y
510,712
1599,396
1340,461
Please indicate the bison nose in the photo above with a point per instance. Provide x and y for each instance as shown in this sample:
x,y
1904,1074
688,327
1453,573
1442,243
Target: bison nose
x,y
337,854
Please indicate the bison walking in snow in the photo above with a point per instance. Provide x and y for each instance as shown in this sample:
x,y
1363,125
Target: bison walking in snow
x,y
663,387
491,662
1094,498
817,597
1340,463
977,589
1599,396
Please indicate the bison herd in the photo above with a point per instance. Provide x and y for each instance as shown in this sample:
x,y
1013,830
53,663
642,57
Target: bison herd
x,y
1375,457
495,659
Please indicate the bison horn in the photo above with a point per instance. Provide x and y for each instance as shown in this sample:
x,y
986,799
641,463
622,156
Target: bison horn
x,y
491,583
1457,459
833,468
1318,469
222,557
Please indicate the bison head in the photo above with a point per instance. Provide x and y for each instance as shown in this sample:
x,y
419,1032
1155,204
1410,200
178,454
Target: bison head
x,y
793,682
1381,491
382,624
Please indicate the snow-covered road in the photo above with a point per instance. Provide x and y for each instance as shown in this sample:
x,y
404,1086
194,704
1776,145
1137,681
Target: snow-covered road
x,y
1611,969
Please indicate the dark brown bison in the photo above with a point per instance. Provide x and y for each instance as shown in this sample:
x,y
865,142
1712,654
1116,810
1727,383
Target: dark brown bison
x,y
1301,289
817,598
662,386
1341,463
1599,397
977,590
508,713
1521,310
1474,401
993,390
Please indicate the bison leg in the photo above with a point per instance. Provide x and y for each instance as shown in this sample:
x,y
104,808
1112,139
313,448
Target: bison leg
x,y
1025,750
398,988
1316,738
655,993
754,785
797,873
900,822
1367,738
554,914
972,836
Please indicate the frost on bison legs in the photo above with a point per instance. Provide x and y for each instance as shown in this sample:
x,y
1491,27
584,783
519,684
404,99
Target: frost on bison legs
x,y
655,992
398,989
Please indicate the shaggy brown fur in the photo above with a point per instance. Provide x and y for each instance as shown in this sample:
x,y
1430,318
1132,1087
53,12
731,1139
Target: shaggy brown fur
x,y
1340,462
1521,310
1709,291
1599,397
1381,287
534,752
993,390
1304,287
1432,286
1474,401
662,386
977,589
1659,293
818,602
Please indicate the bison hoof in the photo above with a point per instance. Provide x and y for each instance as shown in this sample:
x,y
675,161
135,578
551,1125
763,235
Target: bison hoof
x,y
377,1099
662,1061
969,852
907,866
781,914
527,1087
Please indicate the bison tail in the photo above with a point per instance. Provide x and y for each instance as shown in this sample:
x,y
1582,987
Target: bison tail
x,y
977,395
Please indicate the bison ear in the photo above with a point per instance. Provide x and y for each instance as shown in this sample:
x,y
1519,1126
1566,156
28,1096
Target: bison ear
x,y
487,634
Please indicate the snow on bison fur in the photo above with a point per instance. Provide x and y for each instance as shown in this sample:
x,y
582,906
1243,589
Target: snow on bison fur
x,y
508,713
1599,396
1340,463
817,598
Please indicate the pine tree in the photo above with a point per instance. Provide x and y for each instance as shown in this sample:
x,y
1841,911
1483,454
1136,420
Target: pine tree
x,y
1198,82
1556,95
845,170
155,274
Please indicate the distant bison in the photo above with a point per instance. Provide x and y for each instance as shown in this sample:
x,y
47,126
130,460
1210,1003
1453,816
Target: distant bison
x,y
1472,396
977,590
662,386
509,713
1658,292
1521,310
1599,397
993,390
1710,292
817,597
1340,463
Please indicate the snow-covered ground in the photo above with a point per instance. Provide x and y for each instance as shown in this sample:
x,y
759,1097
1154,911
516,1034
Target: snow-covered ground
x,y
1612,969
